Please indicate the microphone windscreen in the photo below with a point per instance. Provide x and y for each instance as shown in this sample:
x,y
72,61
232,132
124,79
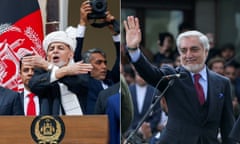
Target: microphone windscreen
x,y
183,75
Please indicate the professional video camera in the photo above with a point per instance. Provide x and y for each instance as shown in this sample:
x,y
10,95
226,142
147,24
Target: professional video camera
x,y
99,7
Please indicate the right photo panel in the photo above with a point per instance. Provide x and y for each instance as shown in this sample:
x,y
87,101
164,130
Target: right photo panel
x,y
180,72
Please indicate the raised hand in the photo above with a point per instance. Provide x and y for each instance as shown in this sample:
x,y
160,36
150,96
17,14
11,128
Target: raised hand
x,y
35,61
85,9
109,18
133,32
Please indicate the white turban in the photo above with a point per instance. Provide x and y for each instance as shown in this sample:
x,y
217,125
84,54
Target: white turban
x,y
61,36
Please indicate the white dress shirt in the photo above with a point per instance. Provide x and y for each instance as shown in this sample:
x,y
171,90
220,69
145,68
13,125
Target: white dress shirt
x,y
26,100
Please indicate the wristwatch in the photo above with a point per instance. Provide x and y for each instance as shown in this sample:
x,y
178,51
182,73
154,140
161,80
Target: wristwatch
x,y
132,49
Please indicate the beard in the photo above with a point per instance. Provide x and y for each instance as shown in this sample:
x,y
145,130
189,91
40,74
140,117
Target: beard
x,y
60,63
194,68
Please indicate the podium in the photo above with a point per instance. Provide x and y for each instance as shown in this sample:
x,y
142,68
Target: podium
x,y
87,129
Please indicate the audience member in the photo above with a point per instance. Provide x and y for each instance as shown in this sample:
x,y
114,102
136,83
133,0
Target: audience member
x,y
231,73
227,52
216,64
129,74
213,51
143,96
165,47
176,60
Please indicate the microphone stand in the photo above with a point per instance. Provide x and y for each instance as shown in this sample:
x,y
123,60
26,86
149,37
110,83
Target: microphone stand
x,y
129,139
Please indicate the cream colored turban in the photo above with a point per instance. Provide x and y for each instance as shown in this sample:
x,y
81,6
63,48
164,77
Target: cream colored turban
x,y
67,37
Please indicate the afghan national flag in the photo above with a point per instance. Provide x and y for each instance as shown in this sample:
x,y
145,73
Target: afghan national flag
x,y
21,32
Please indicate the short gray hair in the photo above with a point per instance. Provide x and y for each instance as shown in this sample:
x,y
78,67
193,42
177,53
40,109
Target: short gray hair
x,y
202,38
87,55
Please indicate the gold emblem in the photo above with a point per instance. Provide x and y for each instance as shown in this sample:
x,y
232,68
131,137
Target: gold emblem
x,y
47,130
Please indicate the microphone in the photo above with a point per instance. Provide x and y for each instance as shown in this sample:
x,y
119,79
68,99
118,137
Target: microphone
x,y
175,76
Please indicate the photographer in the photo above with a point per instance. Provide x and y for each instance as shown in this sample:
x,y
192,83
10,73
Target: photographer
x,y
100,77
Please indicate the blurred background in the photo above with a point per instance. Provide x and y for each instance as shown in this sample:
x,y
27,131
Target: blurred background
x,y
219,17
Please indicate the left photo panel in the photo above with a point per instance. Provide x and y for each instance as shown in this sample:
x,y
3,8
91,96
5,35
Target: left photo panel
x,y
60,71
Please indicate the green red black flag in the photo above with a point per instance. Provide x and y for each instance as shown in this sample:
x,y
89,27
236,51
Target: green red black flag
x,y
21,32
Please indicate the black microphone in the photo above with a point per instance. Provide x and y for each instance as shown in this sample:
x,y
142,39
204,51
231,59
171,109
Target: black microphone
x,y
175,76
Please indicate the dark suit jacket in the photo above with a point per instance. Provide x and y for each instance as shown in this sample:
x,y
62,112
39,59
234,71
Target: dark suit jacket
x,y
113,112
94,85
154,118
235,132
108,102
10,102
101,103
41,86
44,106
188,122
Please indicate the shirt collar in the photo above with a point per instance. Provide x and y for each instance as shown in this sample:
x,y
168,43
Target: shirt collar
x,y
26,92
203,73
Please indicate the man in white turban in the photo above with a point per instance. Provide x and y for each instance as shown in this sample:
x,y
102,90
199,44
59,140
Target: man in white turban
x,y
59,78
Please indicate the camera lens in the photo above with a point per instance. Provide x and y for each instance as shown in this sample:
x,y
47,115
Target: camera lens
x,y
99,8
99,5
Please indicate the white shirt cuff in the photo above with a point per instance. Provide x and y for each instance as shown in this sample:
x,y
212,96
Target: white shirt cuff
x,y
81,31
116,38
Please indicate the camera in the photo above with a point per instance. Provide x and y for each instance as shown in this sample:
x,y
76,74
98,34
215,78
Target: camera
x,y
99,7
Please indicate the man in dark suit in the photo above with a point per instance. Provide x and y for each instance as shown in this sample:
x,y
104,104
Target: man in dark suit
x,y
41,105
103,95
100,77
59,78
108,102
198,105
142,97
10,102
